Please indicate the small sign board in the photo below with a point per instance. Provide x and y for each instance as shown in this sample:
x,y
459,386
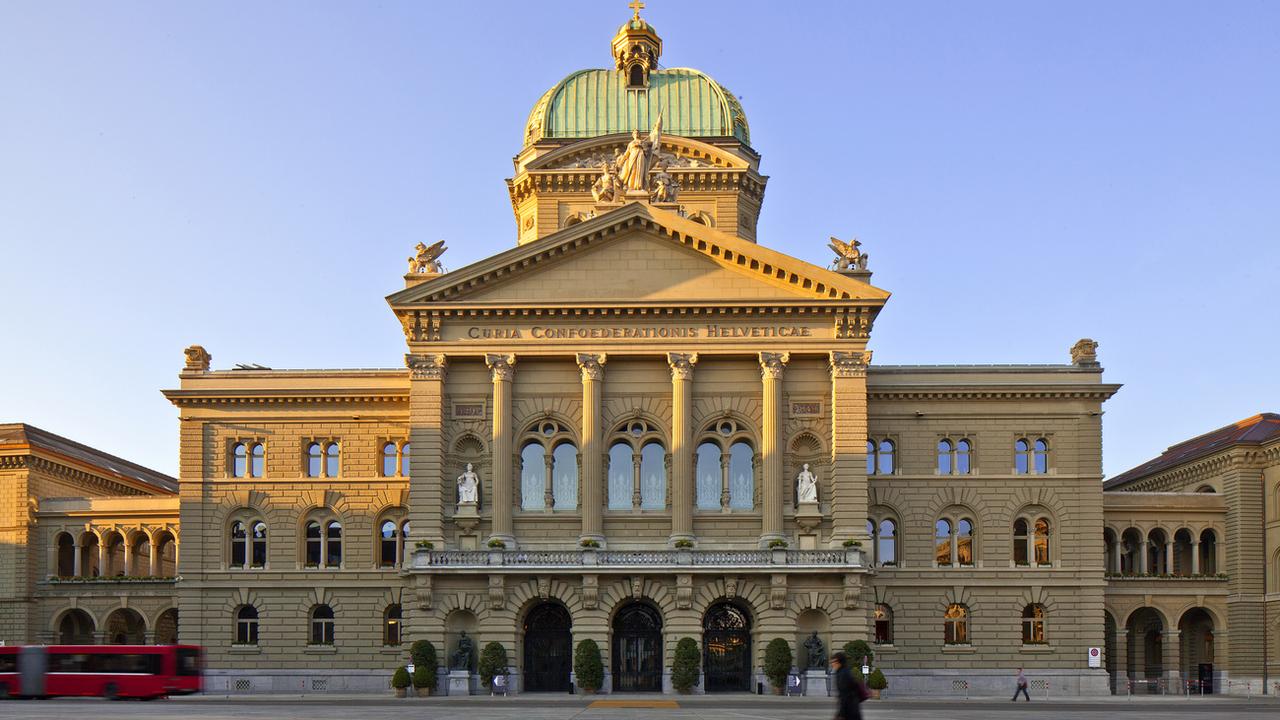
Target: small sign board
x,y
866,670
1095,657
409,667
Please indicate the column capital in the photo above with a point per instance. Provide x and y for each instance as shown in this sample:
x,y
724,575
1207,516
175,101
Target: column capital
x,y
425,366
850,364
772,364
592,365
503,367
682,365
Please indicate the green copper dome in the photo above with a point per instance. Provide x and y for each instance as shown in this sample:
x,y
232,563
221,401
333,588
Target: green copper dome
x,y
591,103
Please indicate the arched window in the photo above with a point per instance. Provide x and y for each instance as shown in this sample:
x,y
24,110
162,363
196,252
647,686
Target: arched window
x,y
955,625
964,456
1042,456
1033,625
533,476
332,460
1021,457
708,472
884,548
954,540
246,625
548,468
248,543
964,543
404,540
1042,542
1206,489
884,626
564,470
653,476
406,454
726,467
1130,549
66,556
321,625
621,476
315,458
389,544
635,77
942,546
880,457
1021,533
391,625
1208,553
390,457
741,476
946,457
323,543
239,460
239,545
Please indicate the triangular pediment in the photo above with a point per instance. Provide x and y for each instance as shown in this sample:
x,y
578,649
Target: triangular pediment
x,y
639,254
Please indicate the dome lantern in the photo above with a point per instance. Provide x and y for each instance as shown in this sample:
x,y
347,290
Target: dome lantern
x,y
636,49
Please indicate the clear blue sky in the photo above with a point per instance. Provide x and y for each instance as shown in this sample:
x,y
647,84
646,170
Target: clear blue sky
x,y
251,177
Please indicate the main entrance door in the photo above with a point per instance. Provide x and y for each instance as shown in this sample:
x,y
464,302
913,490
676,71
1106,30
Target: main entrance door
x,y
548,649
637,649
726,643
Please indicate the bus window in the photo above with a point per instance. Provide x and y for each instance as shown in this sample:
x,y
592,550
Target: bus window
x,y
188,662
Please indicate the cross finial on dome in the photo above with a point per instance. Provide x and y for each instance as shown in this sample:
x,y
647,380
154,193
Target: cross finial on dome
x,y
637,6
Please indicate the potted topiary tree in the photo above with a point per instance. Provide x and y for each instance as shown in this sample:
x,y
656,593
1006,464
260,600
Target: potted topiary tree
x,y
686,668
876,683
424,667
400,681
777,663
858,651
493,661
588,670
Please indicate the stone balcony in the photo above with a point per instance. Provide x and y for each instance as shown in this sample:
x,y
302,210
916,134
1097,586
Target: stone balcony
x,y
630,561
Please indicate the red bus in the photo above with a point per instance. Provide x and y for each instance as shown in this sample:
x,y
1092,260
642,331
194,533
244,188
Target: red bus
x,y
109,671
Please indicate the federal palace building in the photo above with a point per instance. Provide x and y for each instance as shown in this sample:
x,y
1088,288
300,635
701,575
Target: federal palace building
x,y
640,424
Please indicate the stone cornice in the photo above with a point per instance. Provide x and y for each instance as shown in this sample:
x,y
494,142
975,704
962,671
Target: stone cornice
x,y
1203,469
994,391
283,396
90,481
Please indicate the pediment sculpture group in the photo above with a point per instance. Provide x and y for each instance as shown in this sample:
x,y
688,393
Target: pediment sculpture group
x,y
640,169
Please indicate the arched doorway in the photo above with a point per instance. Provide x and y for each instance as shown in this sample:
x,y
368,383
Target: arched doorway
x,y
1146,650
726,643
548,648
167,627
1196,654
637,649
126,627
75,628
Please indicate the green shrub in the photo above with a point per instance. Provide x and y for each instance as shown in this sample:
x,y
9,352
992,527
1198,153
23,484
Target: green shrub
x,y
777,544
400,679
493,661
686,666
777,662
424,664
587,667
877,681
857,650
497,543
683,543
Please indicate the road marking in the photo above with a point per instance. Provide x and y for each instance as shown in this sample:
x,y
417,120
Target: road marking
x,y
633,704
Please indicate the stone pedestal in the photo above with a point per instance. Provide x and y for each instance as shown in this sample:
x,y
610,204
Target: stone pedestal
x,y
467,518
459,682
815,683
808,518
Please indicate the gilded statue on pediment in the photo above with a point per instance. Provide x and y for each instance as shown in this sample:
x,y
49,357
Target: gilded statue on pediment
x,y
608,186
426,259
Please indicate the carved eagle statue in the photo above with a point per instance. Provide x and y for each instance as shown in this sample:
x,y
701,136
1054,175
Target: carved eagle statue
x,y
847,254
427,260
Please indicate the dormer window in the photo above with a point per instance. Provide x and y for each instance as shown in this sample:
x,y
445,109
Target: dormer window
x,y
635,77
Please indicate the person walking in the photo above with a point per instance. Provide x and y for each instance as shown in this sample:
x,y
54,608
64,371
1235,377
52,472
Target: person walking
x,y
849,692
1022,687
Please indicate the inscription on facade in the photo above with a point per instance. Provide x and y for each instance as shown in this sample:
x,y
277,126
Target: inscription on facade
x,y
544,332
468,411
806,409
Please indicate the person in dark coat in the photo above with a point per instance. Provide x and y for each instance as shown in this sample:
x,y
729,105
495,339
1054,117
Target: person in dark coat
x,y
849,692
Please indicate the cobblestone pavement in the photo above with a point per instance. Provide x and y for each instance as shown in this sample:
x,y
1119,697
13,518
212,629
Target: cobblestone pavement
x,y
614,708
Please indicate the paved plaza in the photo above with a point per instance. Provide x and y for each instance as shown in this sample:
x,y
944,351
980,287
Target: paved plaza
x,y
615,708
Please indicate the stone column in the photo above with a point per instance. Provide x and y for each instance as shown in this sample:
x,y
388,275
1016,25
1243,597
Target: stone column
x,y
591,498
102,557
682,483
427,504
1195,556
771,367
1143,568
1168,557
849,446
153,560
75,558
128,557
503,368
1171,649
